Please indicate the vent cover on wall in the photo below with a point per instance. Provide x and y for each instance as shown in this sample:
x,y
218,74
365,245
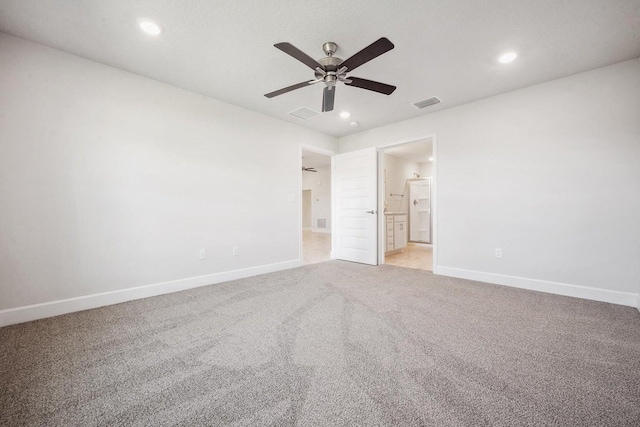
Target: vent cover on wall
x,y
304,113
427,102
321,223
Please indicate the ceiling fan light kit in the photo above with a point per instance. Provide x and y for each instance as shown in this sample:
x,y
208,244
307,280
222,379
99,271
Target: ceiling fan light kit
x,y
330,70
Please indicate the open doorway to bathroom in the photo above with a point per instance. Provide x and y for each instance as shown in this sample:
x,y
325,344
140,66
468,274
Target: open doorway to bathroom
x,y
316,207
408,181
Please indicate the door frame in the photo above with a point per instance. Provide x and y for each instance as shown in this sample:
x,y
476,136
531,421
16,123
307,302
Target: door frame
x,y
325,152
434,195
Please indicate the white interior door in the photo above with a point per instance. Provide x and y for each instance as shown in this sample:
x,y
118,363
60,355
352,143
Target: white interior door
x,y
355,206
420,211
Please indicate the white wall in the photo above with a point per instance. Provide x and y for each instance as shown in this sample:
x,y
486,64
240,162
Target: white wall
x,y
549,173
426,169
306,209
397,171
109,180
320,185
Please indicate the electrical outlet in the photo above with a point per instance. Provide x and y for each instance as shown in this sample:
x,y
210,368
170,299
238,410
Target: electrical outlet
x,y
236,251
202,254
498,252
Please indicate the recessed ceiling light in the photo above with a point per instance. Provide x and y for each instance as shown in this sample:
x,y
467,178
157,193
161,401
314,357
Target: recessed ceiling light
x,y
345,114
508,57
150,27
354,123
431,159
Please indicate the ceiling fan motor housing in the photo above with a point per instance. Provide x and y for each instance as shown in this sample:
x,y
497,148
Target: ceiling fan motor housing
x,y
330,64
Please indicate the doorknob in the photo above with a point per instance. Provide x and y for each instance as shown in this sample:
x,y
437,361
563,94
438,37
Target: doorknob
x,y
371,212
415,202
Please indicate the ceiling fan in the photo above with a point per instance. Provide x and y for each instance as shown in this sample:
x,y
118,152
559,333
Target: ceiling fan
x,y
330,70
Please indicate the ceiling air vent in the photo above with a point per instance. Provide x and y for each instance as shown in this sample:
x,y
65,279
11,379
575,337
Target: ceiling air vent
x,y
304,113
427,102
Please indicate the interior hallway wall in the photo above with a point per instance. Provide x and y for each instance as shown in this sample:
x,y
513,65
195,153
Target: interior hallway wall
x,y
306,209
320,185
110,180
549,173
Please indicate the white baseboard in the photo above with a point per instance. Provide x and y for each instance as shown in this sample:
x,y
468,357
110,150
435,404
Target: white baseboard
x,y
577,291
638,302
28,313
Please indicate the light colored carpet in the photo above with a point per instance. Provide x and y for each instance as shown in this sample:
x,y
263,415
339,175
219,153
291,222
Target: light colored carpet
x,y
334,343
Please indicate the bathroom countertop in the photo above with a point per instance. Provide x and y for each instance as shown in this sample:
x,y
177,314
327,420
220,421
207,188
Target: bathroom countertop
x,y
395,213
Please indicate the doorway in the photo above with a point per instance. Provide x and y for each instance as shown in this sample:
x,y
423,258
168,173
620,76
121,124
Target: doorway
x,y
316,207
406,190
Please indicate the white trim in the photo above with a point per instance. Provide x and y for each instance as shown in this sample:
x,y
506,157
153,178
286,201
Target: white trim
x,y
332,253
638,302
434,202
300,214
566,289
318,150
408,140
382,221
28,313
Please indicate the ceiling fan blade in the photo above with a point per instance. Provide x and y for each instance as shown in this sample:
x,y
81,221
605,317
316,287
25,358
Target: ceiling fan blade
x,y
291,50
370,85
328,96
289,88
370,52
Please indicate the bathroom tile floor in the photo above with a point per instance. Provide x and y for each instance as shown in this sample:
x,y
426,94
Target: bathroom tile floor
x,y
415,255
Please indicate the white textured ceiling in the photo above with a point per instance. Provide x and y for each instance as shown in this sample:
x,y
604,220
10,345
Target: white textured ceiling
x,y
445,48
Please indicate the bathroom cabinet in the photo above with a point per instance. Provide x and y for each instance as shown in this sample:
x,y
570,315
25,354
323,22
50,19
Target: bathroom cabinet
x,y
396,231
